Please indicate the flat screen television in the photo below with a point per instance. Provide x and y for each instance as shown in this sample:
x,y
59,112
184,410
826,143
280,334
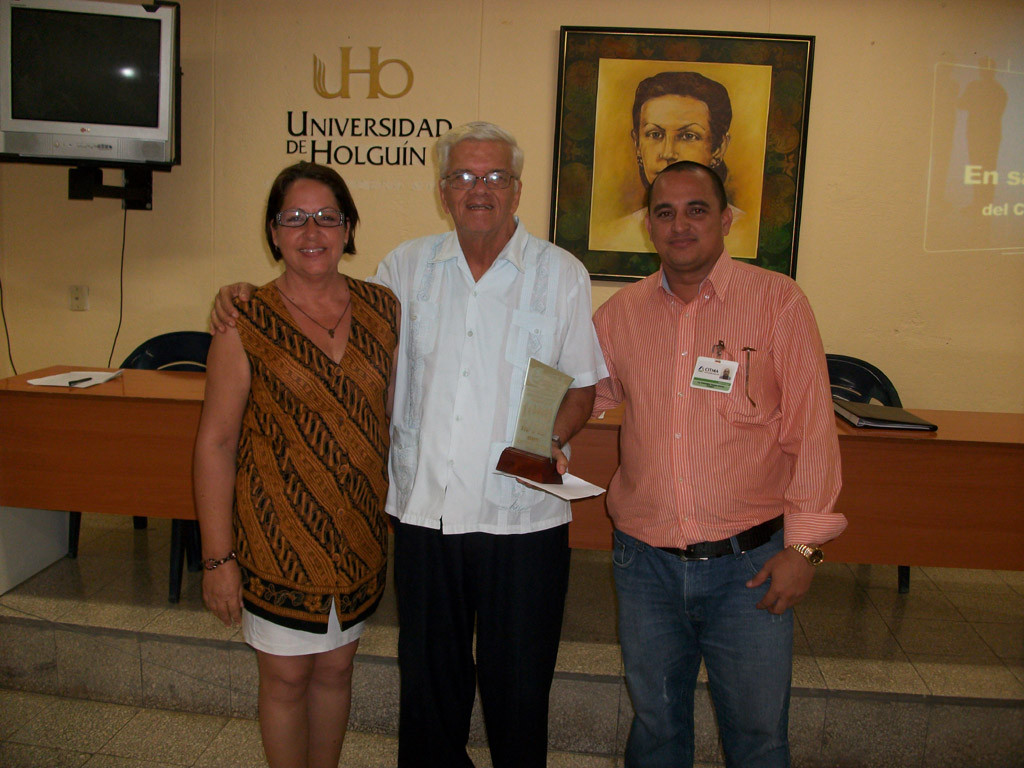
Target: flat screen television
x,y
89,83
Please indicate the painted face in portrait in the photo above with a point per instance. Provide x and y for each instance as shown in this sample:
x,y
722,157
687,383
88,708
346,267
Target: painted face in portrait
x,y
674,128
311,248
482,210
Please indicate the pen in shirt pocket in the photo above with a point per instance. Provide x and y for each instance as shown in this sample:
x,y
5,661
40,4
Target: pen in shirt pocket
x,y
746,375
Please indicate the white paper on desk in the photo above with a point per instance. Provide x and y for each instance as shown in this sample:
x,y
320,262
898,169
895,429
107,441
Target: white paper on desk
x,y
82,379
570,489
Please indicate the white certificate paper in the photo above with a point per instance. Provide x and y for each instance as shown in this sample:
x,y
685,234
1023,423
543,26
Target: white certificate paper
x,y
571,488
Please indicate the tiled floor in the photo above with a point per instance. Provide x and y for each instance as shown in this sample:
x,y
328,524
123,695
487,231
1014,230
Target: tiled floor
x,y
958,634
38,730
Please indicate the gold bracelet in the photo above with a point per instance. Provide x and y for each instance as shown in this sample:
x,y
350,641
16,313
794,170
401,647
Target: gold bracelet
x,y
215,562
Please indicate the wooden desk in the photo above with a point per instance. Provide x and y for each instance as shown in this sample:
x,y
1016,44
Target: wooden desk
x,y
123,447
953,498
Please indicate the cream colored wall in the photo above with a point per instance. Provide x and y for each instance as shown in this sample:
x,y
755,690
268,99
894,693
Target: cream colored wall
x,y
929,320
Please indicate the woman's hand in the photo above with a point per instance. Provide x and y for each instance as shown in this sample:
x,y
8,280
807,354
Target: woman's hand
x,y
222,593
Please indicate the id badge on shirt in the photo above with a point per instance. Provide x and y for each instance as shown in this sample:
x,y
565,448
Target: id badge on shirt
x,y
714,374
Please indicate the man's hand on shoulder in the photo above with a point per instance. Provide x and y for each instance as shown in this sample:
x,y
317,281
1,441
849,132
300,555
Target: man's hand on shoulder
x,y
224,313
790,575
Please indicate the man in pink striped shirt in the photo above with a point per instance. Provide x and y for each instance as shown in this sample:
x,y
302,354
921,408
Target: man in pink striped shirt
x,y
729,474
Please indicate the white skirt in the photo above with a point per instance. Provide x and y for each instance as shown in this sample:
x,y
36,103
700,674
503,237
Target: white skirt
x,y
266,636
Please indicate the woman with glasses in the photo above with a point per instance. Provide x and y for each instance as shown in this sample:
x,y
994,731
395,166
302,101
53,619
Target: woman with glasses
x,y
290,467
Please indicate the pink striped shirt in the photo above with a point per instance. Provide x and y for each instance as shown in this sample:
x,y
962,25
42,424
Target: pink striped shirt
x,y
700,465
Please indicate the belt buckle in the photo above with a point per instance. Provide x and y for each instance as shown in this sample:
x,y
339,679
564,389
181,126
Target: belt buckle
x,y
685,556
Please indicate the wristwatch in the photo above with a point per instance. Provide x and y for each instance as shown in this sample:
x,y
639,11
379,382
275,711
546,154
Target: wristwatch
x,y
814,555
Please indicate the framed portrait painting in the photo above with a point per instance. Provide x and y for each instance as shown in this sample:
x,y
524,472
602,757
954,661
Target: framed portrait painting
x,y
633,101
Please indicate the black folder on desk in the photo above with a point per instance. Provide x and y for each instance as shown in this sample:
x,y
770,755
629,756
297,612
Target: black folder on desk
x,y
879,416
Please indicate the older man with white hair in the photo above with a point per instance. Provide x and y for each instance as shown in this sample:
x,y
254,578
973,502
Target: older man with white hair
x,y
472,547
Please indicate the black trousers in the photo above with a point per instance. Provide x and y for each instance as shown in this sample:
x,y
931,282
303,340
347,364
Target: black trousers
x,y
512,588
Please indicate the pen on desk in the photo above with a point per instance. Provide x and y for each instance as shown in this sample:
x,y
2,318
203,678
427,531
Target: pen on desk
x,y
78,381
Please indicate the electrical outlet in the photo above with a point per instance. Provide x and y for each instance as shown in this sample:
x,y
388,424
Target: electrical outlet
x,y
79,298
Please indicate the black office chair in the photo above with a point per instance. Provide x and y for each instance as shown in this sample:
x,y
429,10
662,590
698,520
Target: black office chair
x,y
859,381
175,351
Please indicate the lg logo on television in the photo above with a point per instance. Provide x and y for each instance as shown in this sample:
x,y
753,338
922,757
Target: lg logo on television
x,y
373,71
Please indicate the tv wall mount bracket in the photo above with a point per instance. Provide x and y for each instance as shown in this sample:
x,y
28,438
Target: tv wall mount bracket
x,y
136,194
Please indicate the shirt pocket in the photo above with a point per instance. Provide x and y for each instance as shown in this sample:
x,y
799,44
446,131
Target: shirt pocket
x,y
402,458
423,325
753,402
506,492
530,335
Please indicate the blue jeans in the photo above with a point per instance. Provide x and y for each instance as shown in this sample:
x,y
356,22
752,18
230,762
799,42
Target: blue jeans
x,y
672,613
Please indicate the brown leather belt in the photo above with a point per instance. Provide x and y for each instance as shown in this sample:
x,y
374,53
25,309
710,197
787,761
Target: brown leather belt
x,y
752,538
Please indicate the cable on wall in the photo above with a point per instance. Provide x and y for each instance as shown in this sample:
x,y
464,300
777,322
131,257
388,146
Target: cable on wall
x,y
7,331
120,288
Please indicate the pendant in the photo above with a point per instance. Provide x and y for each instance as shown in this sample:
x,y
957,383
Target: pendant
x,y
331,333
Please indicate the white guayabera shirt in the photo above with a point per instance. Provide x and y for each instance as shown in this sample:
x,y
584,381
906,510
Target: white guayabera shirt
x,y
464,349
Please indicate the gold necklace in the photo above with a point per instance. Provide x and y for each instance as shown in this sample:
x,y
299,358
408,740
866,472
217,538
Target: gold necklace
x,y
330,331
